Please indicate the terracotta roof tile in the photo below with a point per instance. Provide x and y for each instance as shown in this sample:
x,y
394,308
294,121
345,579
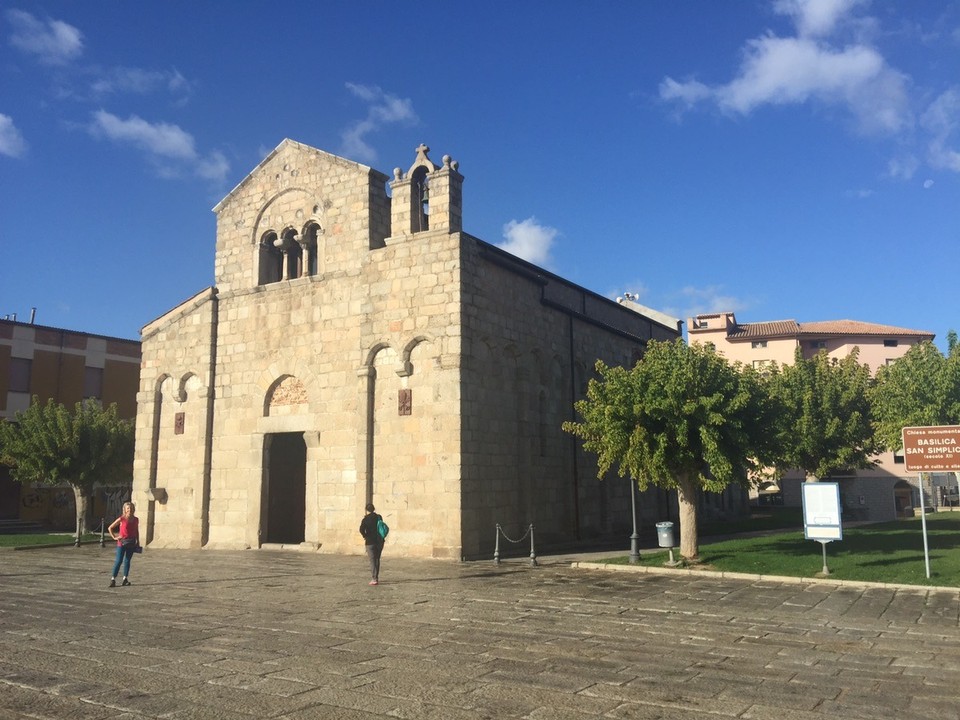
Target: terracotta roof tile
x,y
855,327
791,328
775,328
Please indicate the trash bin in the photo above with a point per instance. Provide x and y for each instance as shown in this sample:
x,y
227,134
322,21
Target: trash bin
x,y
665,535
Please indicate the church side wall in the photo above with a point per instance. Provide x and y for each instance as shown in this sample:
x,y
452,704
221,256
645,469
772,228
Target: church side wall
x,y
529,349
171,426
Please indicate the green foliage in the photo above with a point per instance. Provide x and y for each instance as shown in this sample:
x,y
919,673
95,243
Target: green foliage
x,y
919,389
681,412
826,414
50,444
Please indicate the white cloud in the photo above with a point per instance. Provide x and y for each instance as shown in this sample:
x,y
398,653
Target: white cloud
x,y
705,300
163,143
815,17
927,184
160,139
942,121
383,109
795,70
529,240
139,81
12,143
688,93
213,167
637,289
53,42
903,168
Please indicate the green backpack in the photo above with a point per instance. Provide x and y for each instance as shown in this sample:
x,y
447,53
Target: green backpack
x,y
382,529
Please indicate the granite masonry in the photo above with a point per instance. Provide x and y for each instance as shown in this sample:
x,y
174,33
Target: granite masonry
x,y
359,346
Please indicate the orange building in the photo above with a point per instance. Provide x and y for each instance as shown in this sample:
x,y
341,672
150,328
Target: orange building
x,y
882,492
66,366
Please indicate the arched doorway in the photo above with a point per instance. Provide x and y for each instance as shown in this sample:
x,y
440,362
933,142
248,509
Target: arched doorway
x,y
283,505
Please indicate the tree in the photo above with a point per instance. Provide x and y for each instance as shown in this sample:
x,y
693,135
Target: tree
x,y
681,418
826,424
919,389
52,445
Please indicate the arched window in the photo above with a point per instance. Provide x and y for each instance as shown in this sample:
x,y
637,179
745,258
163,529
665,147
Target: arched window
x,y
292,255
310,245
271,259
421,200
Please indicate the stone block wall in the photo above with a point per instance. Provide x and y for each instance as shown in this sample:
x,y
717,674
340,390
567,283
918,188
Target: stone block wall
x,y
295,186
172,422
426,371
530,345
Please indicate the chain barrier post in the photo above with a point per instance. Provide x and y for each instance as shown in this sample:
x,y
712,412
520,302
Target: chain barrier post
x,y
496,551
533,554
103,525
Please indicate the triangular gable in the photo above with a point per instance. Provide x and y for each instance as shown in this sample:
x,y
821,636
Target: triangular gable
x,y
285,143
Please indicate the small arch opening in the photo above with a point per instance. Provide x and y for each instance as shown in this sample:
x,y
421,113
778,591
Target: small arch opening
x,y
292,255
271,259
421,199
310,245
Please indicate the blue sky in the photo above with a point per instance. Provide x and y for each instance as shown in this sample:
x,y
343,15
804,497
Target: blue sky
x,y
779,158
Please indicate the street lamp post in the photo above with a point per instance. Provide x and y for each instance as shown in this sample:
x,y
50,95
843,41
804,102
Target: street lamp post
x,y
634,538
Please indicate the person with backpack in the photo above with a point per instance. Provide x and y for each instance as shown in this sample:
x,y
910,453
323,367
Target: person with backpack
x,y
374,531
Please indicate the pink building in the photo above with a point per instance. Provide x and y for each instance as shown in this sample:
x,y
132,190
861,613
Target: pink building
x,y
879,493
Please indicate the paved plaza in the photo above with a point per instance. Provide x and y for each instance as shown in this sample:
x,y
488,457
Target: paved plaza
x,y
283,634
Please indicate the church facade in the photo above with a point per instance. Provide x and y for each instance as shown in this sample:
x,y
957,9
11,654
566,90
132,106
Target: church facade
x,y
358,347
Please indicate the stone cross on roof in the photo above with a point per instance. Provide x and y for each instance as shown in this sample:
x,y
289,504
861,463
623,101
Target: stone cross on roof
x,y
422,160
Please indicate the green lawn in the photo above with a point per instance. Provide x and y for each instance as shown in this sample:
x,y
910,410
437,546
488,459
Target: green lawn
x,y
31,539
888,552
771,518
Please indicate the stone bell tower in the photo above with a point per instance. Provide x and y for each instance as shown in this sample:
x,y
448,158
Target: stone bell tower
x,y
428,197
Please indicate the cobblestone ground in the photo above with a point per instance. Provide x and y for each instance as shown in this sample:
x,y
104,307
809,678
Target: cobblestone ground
x,y
214,635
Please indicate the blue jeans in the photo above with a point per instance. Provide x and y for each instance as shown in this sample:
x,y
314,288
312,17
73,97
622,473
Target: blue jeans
x,y
124,553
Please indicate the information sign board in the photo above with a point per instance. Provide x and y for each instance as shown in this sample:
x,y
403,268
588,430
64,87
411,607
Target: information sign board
x,y
931,449
821,511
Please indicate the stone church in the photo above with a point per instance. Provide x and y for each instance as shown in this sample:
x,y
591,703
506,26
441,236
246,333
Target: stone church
x,y
359,346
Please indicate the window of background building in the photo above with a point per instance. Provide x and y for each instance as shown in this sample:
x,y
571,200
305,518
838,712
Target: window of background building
x,y
819,344
20,374
92,382
889,343
758,344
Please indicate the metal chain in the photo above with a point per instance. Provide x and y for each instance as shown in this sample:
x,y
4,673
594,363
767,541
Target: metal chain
x,y
509,539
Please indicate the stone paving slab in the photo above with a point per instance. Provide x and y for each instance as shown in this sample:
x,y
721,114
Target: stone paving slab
x,y
223,635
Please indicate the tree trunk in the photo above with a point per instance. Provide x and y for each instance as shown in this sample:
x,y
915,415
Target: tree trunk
x,y
687,495
84,507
